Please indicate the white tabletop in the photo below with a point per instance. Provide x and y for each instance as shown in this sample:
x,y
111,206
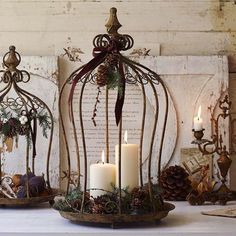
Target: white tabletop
x,y
184,220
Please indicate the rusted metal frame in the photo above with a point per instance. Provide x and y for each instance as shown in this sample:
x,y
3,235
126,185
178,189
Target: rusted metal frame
x,y
27,146
119,165
142,128
142,132
136,69
68,80
157,77
76,141
23,92
83,139
164,129
51,134
107,126
76,138
64,133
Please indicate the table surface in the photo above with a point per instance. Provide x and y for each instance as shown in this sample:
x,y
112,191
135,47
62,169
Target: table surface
x,y
183,220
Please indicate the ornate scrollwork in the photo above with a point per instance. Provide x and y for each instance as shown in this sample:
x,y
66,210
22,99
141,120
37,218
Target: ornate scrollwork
x,y
16,104
11,60
120,42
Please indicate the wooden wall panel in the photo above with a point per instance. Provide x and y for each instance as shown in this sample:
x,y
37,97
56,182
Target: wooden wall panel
x,y
181,27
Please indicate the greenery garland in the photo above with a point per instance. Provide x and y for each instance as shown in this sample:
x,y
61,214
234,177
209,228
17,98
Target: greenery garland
x,y
136,201
11,124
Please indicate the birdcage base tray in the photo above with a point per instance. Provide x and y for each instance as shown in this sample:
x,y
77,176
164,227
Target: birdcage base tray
x,y
117,220
4,202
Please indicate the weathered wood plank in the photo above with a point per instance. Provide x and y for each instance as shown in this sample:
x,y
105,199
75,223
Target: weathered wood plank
x,y
172,43
113,1
90,16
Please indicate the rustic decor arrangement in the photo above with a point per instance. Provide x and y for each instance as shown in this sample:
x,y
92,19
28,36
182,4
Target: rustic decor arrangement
x,y
175,183
117,193
22,116
207,190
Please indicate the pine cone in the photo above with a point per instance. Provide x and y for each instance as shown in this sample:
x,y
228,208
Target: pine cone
x,y
111,60
175,183
11,127
102,75
105,204
24,130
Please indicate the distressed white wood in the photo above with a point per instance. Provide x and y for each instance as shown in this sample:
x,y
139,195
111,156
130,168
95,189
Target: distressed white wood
x,y
44,84
191,81
182,27
184,220
59,16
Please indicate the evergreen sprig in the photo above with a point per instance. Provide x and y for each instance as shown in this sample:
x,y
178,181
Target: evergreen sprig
x,y
44,122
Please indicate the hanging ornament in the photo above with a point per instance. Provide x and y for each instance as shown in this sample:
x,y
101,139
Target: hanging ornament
x,y
102,75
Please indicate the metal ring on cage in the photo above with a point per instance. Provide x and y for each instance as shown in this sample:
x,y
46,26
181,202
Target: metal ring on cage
x,y
6,78
126,41
26,78
101,40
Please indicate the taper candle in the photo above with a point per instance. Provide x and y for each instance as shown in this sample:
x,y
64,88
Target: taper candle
x,y
197,122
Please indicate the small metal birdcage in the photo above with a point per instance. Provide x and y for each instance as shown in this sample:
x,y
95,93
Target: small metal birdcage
x,y
22,116
107,70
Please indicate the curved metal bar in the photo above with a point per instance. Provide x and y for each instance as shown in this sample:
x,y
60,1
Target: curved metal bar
x,y
51,133
68,80
142,129
64,133
83,140
27,146
33,130
107,125
119,165
157,77
76,142
137,70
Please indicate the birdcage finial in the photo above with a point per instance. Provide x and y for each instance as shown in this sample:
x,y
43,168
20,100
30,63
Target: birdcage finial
x,y
113,23
13,59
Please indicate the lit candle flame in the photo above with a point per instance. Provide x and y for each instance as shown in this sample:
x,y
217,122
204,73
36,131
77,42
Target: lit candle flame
x,y
126,136
103,156
199,112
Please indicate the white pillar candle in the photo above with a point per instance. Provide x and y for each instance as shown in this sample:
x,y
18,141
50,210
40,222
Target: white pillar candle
x,y
197,122
129,165
102,176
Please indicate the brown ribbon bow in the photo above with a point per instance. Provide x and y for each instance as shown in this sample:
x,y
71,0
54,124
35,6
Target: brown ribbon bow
x,y
100,54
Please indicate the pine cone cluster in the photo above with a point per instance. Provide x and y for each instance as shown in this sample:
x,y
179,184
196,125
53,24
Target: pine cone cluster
x,y
24,129
105,204
13,127
175,183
